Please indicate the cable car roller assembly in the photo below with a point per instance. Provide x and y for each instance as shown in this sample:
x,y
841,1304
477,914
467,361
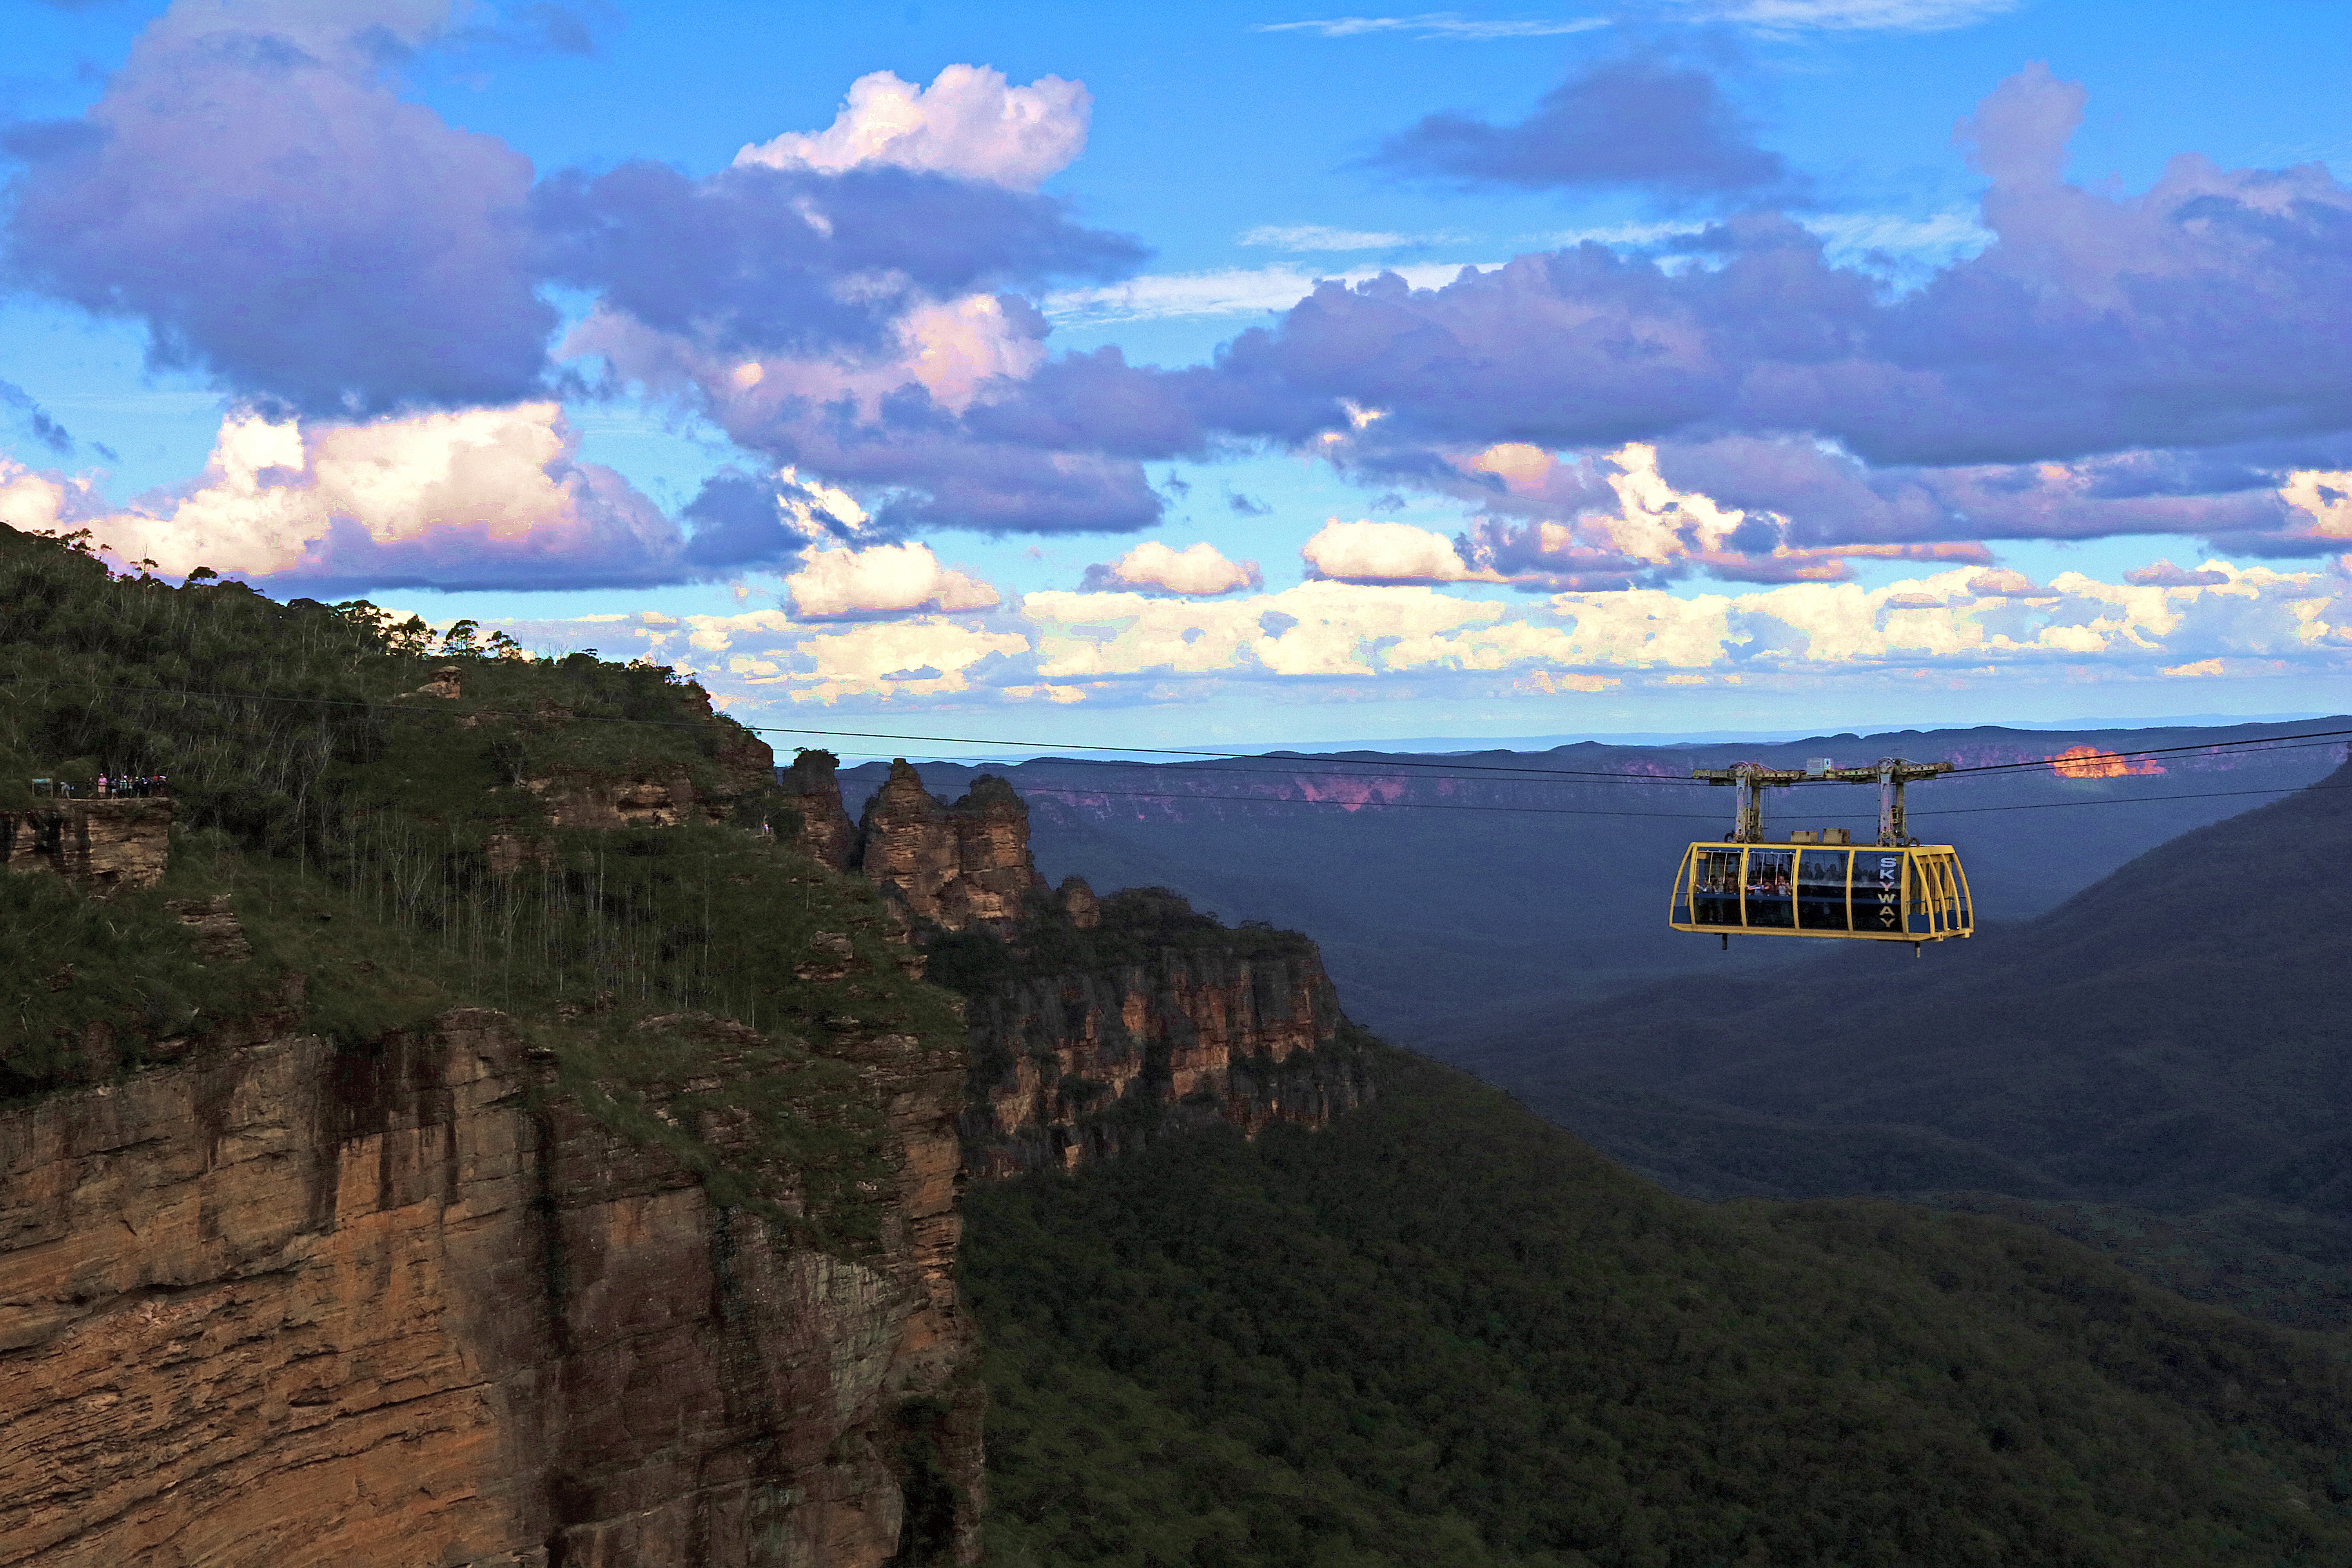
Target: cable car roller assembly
x,y
1814,882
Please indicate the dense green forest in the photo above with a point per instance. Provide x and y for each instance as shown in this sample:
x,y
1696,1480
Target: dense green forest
x,y
1443,1331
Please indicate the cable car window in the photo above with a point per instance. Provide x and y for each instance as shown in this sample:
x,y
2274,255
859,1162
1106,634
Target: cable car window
x,y
1820,889
1714,887
1877,891
1771,895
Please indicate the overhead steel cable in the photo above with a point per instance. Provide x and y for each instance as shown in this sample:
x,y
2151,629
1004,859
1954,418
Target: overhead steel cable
x,y
1527,774
1530,775
1051,790
2316,736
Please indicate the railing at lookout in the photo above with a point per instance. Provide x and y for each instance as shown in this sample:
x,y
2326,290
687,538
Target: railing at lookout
x,y
123,788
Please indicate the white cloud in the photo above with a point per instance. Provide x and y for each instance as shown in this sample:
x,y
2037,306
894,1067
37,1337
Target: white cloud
x,y
2325,496
33,502
1434,25
968,122
1358,640
1388,552
885,580
1600,519
950,348
912,659
1313,629
1196,570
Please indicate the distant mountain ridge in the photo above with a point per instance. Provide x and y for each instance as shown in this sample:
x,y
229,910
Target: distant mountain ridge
x,y
2171,1038
1550,891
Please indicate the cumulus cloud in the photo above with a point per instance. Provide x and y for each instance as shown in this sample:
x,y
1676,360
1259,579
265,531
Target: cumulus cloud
x,y
848,307
788,261
1388,552
856,308
969,123
883,580
480,498
2200,312
250,188
36,502
1637,121
1591,523
1197,570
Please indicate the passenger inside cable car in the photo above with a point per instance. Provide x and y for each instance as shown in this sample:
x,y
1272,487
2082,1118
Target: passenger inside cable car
x,y
1820,889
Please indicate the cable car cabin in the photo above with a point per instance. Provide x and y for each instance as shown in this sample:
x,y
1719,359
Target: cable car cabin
x,y
1814,883
1910,892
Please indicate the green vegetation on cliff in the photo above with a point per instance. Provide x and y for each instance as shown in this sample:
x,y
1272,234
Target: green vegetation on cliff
x,y
1443,1331
392,852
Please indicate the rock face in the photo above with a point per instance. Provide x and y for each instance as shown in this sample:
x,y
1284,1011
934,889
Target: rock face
x,y
743,765
102,844
960,867
220,935
1077,1066
1079,902
636,802
290,1305
826,834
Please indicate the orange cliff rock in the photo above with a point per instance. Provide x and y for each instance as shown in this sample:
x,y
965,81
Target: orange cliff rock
x,y
743,765
290,1305
101,845
826,834
959,866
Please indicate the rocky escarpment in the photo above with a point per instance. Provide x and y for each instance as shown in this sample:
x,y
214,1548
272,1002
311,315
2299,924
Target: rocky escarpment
x,y
576,786
1086,1042
105,845
957,867
823,832
290,1304
1095,1022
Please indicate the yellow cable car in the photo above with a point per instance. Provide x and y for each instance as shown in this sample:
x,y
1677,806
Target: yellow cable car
x,y
1816,883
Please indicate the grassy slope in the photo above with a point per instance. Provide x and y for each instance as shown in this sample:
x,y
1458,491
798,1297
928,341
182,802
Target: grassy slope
x,y
1445,1332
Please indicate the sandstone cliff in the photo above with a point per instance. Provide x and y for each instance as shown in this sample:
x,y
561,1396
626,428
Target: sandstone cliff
x,y
1089,1040
959,866
1095,1022
812,789
290,1305
105,845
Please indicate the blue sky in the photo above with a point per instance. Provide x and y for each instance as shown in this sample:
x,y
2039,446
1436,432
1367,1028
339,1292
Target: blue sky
x,y
1862,362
